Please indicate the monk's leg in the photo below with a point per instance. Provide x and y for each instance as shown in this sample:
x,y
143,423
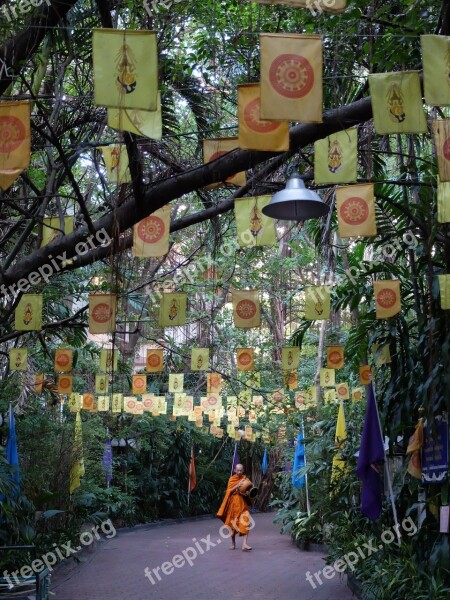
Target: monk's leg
x,y
233,540
245,546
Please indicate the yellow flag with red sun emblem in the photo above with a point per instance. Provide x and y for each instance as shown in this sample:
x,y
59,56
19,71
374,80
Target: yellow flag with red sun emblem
x,y
290,379
88,401
365,374
102,313
28,313
213,383
290,357
397,103
254,133
18,359
63,360
246,310
51,229
291,77
151,235
253,227
154,362
125,68
342,390
199,359
317,302
336,158
441,131
245,359
335,356
215,148
139,384
38,382
387,298
14,141
356,211
357,394
64,384
172,310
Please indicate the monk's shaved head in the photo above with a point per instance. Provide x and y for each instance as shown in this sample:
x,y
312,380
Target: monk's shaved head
x,y
239,468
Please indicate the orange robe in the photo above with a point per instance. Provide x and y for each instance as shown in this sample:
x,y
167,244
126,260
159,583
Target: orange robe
x,y
234,508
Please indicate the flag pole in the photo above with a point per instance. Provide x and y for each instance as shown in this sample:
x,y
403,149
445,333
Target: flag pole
x,y
308,506
388,473
234,456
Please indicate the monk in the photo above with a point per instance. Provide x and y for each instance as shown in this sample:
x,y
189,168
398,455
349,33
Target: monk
x,y
234,509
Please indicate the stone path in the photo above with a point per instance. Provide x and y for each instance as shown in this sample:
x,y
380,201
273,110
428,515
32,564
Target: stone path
x,y
191,561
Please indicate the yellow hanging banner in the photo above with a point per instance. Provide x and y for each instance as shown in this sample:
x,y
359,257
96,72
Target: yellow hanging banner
x,y
213,383
176,382
38,383
103,403
387,298
65,384
291,77
15,141
436,69
315,7
151,235
335,356
101,383
397,103
102,313
172,310
18,359
88,401
116,163
381,354
441,131
117,403
214,148
356,211
139,384
246,310
327,377
357,394
140,122
343,391
336,158
245,359
51,229
28,313
444,289
443,202
290,379
317,302
155,360
108,360
75,401
63,360
199,359
254,228
339,466
125,68
290,358
365,374
254,133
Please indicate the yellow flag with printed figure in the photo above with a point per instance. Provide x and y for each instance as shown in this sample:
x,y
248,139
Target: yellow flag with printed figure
x,y
253,227
117,403
336,158
65,384
75,402
443,202
147,123
15,141
357,394
246,309
335,356
28,313
155,360
214,148
102,313
291,77
255,133
245,360
176,382
101,383
444,291
316,7
381,354
290,379
397,103
151,235
116,163
108,360
317,302
441,131
290,357
199,359
387,298
356,210
18,359
38,383
339,466
172,310
63,360
436,69
51,228
327,377
125,68
103,403
77,470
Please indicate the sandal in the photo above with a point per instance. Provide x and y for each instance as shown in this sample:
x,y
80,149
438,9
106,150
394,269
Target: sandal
x,y
246,548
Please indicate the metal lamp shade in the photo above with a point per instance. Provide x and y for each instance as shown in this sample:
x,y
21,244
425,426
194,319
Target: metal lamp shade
x,y
295,202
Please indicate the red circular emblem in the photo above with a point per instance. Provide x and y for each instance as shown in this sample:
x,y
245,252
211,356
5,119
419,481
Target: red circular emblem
x,y
102,313
354,211
62,360
153,360
246,309
245,358
386,298
342,390
131,403
357,395
291,75
253,121
188,405
212,400
217,155
148,402
12,133
446,149
64,382
151,229
365,375
139,382
335,357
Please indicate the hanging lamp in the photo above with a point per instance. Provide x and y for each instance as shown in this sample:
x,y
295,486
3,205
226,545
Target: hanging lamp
x,y
296,202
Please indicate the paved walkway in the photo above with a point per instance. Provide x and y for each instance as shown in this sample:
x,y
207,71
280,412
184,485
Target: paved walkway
x,y
274,570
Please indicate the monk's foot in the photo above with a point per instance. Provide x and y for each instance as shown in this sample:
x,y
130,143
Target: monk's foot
x,y
246,548
232,547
